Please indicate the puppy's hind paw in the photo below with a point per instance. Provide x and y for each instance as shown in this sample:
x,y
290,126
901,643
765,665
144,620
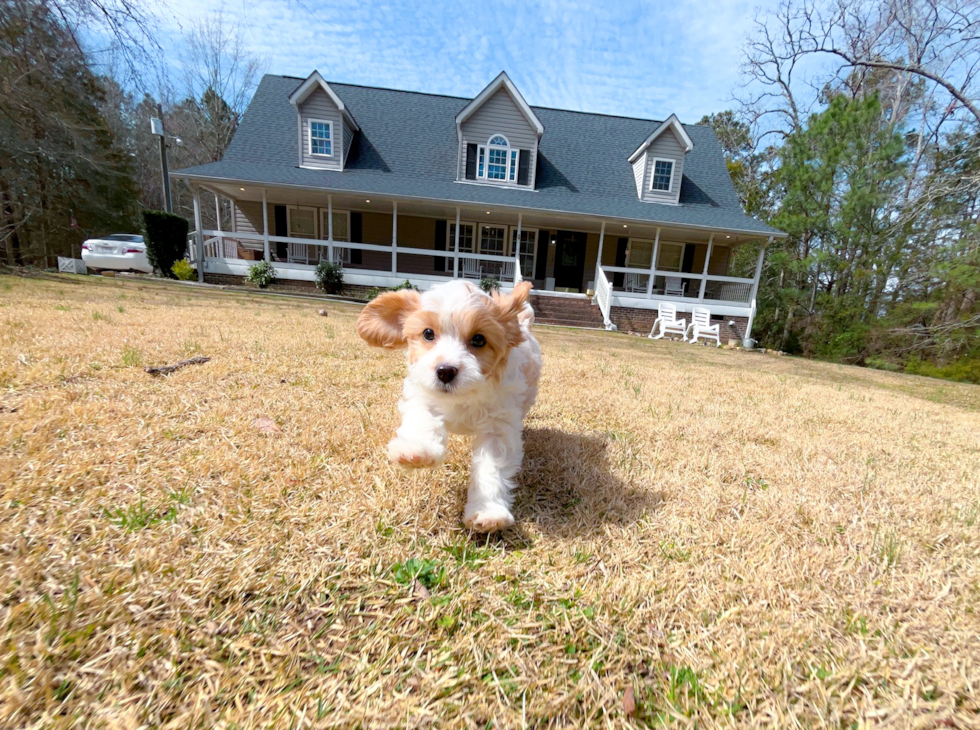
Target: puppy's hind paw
x,y
412,456
488,519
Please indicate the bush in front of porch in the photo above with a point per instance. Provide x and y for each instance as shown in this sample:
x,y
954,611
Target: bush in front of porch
x,y
262,274
329,277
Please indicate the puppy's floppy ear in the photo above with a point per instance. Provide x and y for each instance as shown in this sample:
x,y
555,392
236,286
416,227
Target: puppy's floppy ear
x,y
382,321
511,304
509,307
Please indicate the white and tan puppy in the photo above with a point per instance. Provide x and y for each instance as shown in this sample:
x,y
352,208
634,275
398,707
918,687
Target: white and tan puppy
x,y
473,368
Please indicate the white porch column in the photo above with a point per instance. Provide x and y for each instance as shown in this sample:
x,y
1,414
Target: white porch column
x,y
265,227
755,288
217,212
707,260
598,258
456,247
517,245
394,237
199,225
653,264
330,229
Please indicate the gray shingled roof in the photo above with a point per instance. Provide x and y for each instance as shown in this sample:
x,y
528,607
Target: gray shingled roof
x,y
407,148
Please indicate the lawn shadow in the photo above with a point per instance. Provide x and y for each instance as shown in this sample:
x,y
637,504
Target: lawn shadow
x,y
567,486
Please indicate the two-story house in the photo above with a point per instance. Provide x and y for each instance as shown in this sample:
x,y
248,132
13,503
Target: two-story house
x,y
609,216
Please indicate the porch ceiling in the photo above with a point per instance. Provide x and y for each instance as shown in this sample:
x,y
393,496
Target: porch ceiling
x,y
481,214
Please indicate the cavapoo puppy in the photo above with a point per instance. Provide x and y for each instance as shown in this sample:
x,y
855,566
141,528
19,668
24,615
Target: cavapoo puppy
x,y
473,368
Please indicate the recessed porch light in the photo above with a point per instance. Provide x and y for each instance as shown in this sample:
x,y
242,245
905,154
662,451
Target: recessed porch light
x,y
242,189
727,236
625,226
488,212
367,201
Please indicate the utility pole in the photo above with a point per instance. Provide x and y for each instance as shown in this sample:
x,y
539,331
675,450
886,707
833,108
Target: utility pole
x,y
156,126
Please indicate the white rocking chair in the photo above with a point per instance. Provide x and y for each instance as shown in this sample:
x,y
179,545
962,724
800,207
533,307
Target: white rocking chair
x,y
471,269
674,286
701,326
668,322
635,283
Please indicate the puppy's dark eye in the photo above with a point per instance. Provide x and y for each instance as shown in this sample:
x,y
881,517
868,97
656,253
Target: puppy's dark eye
x,y
478,341
428,334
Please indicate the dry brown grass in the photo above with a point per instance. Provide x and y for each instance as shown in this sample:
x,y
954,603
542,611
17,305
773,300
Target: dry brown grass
x,y
743,540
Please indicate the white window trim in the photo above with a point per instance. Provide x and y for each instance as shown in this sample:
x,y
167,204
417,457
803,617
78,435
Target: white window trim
x,y
478,243
309,137
509,150
451,239
316,220
537,245
325,231
629,253
653,168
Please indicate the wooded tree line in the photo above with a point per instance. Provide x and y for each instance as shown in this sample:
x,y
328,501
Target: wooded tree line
x,y
77,157
857,133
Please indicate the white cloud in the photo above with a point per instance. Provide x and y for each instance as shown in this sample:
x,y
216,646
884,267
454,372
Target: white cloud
x,y
634,58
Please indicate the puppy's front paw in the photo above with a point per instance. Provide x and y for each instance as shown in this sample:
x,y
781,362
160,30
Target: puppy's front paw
x,y
412,455
487,518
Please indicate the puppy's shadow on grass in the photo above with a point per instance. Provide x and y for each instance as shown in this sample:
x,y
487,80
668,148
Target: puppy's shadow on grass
x,y
568,488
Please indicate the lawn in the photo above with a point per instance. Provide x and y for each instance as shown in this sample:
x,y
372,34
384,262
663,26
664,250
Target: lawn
x,y
703,537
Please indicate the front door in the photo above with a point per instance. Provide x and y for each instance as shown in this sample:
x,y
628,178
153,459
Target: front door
x,y
570,260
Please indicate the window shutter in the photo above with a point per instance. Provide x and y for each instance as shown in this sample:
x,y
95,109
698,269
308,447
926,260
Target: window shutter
x,y
621,247
281,228
439,263
687,266
356,254
541,267
523,167
471,162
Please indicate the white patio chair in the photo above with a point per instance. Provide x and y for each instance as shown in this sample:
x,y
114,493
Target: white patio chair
x,y
701,326
674,286
298,253
471,269
635,283
341,256
669,324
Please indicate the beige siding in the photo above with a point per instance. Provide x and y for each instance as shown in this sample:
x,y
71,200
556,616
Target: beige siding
x,y
720,260
320,107
666,146
248,217
499,115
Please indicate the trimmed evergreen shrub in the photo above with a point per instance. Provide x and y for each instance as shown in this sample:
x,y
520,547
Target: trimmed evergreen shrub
x,y
329,277
166,240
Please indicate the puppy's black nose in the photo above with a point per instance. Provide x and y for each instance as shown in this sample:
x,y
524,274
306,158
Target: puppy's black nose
x,y
446,373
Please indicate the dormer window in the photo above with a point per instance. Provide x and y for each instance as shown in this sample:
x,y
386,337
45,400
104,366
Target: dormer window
x,y
663,173
321,138
497,161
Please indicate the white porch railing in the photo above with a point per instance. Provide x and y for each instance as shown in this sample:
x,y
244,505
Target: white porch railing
x,y
682,286
308,251
603,298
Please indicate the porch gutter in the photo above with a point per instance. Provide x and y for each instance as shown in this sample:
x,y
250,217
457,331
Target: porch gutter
x,y
494,206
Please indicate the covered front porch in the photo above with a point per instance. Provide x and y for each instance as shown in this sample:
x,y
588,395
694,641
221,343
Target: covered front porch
x,y
626,268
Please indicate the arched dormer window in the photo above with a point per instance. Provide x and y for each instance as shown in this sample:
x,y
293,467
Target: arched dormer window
x,y
497,161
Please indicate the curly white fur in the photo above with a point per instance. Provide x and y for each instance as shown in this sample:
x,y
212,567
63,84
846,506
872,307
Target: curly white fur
x,y
490,408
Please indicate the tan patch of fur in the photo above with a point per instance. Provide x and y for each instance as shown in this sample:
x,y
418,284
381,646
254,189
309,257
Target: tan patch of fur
x,y
381,322
485,320
415,324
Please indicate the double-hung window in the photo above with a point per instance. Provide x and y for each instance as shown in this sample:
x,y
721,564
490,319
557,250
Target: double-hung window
x,y
497,161
663,173
465,237
321,138
526,251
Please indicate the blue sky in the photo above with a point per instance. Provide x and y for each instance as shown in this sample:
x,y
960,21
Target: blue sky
x,y
635,58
